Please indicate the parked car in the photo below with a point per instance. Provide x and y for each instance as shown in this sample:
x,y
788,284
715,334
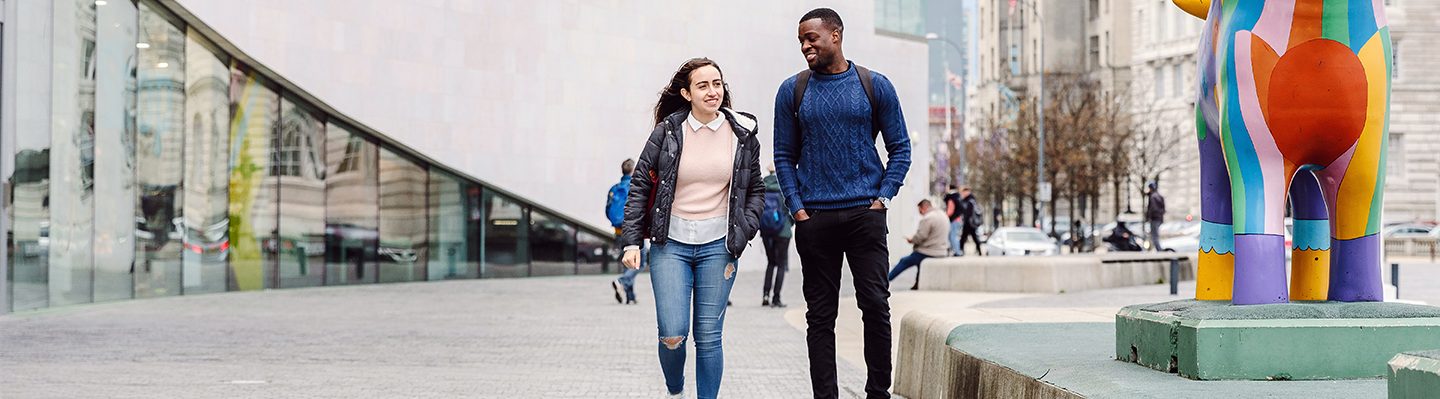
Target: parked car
x,y
1408,230
1019,241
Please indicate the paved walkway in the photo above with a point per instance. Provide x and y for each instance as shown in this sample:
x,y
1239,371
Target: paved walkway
x,y
561,337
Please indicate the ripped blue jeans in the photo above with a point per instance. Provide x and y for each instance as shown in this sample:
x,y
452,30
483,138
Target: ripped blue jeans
x,y
683,277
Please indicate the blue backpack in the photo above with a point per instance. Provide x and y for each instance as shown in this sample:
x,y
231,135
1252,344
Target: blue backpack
x,y
772,218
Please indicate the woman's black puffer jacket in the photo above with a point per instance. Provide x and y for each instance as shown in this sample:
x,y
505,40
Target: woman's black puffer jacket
x,y
652,185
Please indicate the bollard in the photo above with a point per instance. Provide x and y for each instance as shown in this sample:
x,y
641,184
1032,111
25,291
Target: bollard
x,y
1174,276
1395,278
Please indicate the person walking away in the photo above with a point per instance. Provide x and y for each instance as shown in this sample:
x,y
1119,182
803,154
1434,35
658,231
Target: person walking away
x,y
827,119
1155,214
624,286
957,223
929,242
775,232
971,219
697,195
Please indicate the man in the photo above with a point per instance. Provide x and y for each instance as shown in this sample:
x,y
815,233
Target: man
x,y
971,219
615,210
929,242
835,184
952,211
775,232
1155,214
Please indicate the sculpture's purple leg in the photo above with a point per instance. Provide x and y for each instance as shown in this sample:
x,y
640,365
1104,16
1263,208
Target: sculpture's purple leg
x,y
1355,270
1260,269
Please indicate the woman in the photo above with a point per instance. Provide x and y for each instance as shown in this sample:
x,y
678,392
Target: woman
x,y
699,210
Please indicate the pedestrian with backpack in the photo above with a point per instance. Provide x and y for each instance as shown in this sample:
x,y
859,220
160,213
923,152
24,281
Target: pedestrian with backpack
x,y
827,120
624,286
972,218
775,232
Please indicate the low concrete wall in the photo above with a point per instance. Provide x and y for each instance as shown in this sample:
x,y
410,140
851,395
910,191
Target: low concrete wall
x,y
927,367
1050,274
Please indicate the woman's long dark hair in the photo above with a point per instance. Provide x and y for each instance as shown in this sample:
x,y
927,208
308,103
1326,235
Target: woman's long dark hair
x,y
670,98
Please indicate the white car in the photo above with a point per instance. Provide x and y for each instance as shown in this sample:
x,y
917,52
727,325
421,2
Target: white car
x,y
1019,241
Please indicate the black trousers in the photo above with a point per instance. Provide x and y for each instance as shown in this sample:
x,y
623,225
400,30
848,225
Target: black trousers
x,y
777,250
825,242
968,231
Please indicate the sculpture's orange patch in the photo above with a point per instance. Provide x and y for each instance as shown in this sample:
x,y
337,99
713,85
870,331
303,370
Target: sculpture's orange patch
x,y
1317,98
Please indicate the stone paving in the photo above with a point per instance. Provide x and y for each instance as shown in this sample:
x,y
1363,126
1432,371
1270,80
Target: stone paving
x,y
561,337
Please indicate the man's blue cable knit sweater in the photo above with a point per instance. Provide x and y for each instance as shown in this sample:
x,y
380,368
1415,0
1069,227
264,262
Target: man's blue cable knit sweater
x,y
828,160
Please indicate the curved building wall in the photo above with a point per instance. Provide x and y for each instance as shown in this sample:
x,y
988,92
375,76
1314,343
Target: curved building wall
x,y
546,98
144,155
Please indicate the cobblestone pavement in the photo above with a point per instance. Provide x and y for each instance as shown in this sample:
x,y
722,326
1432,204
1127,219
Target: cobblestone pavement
x,y
559,337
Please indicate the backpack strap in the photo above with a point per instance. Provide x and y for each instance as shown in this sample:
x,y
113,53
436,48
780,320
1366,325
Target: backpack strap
x,y
802,80
866,83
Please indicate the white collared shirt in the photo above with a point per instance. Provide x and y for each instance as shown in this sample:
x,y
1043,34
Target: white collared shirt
x,y
714,125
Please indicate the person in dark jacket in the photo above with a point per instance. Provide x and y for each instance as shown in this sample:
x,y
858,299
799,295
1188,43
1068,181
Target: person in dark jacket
x,y
971,220
1154,214
952,212
624,286
827,119
697,195
777,247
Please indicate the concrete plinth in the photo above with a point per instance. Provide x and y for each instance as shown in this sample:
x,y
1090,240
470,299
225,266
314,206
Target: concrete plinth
x,y
1050,274
1415,375
1211,340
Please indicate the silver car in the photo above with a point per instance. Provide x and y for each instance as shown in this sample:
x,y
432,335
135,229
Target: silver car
x,y
1019,241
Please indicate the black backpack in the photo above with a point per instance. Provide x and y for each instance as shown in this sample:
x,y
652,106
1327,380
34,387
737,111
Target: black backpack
x,y
802,80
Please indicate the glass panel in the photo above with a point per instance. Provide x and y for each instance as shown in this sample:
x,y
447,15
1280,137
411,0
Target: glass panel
x,y
592,253
452,251
552,245
28,201
300,164
351,204
115,118
403,231
160,157
506,244
253,194
73,155
207,168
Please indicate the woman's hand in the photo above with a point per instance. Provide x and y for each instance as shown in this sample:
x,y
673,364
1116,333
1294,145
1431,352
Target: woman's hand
x,y
631,259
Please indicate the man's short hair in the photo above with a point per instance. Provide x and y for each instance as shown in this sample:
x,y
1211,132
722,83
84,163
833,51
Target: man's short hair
x,y
924,203
952,187
966,188
628,166
826,15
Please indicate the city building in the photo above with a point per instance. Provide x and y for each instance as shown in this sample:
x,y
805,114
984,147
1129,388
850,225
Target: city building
x,y
176,147
1085,39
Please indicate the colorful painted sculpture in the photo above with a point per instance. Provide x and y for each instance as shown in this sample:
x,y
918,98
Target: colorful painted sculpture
x,y
1294,99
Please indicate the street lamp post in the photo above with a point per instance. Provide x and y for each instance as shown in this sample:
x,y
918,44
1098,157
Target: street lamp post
x,y
1041,187
949,104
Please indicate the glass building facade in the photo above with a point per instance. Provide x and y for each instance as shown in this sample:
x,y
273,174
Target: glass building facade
x,y
148,161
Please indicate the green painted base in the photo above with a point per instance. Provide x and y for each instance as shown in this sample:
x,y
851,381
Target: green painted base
x,y
1415,375
1208,340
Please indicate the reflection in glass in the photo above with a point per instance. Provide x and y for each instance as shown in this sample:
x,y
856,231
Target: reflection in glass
x,y
507,248
72,171
552,245
403,230
592,253
253,193
115,114
299,162
351,204
207,168
160,151
454,228
27,204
